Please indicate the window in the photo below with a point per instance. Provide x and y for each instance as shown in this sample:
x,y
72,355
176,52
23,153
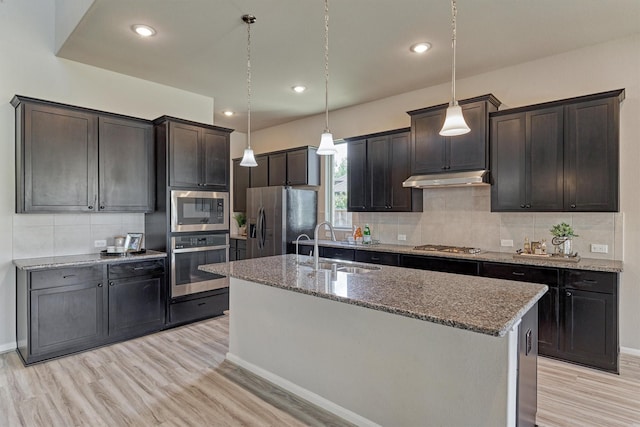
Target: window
x,y
337,188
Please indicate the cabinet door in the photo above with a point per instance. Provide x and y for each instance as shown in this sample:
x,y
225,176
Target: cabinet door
x,y
215,159
356,175
469,151
544,160
136,306
378,174
589,328
259,175
548,322
399,171
60,160
297,171
429,147
183,155
508,162
126,171
592,156
66,319
241,182
278,169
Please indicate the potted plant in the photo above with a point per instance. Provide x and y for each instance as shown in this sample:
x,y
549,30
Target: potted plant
x,y
562,235
241,220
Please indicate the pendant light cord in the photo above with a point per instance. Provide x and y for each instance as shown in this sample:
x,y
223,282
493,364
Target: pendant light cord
x,y
249,83
326,65
454,11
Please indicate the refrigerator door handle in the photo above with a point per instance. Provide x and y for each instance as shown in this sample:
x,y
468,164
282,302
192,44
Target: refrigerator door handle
x,y
259,227
263,229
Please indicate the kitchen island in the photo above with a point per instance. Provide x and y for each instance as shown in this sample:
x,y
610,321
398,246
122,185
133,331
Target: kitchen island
x,y
391,346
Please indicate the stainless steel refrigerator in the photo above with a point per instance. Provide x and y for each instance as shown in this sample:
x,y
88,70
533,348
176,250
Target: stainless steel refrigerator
x,y
276,216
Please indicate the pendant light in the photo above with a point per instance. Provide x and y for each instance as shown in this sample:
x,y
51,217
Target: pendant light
x,y
454,123
248,159
326,140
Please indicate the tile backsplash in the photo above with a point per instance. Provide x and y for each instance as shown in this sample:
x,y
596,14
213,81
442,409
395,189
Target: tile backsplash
x,y
36,235
462,216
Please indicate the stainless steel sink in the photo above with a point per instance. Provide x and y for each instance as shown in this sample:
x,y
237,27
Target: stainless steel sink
x,y
342,267
356,270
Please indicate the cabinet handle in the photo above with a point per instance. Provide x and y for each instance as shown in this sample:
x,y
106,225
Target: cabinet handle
x,y
99,285
573,206
375,258
528,206
568,294
517,273
111,284
589,281
522,206
68,275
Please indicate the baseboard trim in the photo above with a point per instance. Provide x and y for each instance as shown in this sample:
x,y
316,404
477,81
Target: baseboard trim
x,y
302,392
5,348
631,351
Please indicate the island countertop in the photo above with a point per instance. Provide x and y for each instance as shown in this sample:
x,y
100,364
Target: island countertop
x,y
483,305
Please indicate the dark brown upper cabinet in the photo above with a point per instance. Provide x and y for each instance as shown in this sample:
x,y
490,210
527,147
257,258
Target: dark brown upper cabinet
x,y
527,161
299,166
433,153
377,166
557,156
198,154
71,159
260,174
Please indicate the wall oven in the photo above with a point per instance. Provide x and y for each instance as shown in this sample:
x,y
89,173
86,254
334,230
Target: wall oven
x,y
199,211
188,252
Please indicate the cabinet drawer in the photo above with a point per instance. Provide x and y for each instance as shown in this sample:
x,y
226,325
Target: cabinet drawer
x,y
547,276
65,276
338,253
384,258
133,269
595,281
445,265
200,308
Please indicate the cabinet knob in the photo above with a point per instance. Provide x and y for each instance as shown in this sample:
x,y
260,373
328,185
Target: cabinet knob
x,y
99,285
522,206
101,207
528,206
569,294
111,284
90,206
573,206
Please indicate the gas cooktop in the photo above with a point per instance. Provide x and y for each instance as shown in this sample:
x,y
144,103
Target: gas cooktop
x,y
446,248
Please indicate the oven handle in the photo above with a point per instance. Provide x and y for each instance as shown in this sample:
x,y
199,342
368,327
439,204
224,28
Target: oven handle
x,y
200,249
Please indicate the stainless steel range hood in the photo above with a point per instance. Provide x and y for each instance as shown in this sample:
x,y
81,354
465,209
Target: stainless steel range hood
x,y
449,179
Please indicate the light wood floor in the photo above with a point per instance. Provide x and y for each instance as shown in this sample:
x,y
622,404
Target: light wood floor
x,y
179,378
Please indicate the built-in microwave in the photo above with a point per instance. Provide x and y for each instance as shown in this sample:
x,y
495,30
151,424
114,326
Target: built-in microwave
x,y
199,211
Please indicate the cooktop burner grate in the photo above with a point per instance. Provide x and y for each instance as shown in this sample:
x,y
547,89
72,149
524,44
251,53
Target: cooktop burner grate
x,y
446,248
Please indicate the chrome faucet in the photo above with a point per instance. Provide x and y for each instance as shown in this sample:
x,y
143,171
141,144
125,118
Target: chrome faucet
x,y
297,241
315,242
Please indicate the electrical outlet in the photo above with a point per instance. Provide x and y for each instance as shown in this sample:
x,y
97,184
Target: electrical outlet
x,y
598,248
402,237
506,242
99,243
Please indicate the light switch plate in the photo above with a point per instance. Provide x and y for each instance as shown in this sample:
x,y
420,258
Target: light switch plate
x,y
599,248
506,242
402,237
99,243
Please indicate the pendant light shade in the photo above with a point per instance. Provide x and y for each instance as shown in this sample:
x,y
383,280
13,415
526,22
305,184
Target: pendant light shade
x,y
326,148
454,123
248,159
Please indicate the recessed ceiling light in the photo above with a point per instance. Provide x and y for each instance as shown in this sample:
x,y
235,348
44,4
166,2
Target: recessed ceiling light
x,y
420,47
228,113
143,30
299,88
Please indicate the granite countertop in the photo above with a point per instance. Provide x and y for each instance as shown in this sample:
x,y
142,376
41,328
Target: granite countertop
x,y
478,304
613,266
84,259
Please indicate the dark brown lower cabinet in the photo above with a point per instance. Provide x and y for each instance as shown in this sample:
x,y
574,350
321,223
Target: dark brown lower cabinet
x,y
60,311
578,316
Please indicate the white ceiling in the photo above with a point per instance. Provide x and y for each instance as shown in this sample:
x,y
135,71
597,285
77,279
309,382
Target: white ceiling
x,y
201,46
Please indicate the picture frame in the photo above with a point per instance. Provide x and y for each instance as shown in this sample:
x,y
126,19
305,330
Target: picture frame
x,y
133,242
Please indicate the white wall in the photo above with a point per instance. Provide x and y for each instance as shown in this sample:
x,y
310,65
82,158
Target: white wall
x,y
30,68
598,68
